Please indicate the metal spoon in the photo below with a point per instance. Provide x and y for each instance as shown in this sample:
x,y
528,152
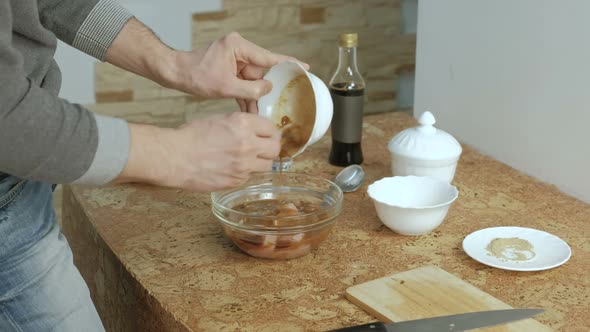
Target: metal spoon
x,y
350,178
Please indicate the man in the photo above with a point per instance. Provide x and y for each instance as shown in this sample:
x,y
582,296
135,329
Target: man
x,y
46,140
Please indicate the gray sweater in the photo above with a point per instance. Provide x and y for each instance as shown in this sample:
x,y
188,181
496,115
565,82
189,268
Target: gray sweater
x,y
43,137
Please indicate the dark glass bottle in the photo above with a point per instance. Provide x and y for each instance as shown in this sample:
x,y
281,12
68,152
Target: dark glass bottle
x,y
347,88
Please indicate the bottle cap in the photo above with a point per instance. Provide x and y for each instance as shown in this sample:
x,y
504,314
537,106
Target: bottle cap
x,y
349,40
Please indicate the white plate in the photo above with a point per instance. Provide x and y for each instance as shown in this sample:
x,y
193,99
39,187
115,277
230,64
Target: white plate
x,y
550,251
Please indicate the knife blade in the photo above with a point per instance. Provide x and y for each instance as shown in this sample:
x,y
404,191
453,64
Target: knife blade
x,y
454,323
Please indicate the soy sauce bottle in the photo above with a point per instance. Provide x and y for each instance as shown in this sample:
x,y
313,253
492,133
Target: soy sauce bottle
x,y
347,88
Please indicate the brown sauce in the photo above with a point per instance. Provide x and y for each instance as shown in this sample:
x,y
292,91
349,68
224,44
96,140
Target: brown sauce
x,y
283,246
294,114
285,120
292,139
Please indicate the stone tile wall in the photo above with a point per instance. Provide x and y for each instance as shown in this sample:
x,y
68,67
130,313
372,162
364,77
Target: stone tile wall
x,y
303,28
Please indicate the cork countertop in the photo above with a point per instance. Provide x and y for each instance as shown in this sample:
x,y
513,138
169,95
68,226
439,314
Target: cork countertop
x,y
155,258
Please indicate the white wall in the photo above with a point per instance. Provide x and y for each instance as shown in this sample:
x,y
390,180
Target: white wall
x,y
405,81
512,79
171,20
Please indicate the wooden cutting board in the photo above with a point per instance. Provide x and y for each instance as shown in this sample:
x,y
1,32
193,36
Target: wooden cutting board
x,y
427,292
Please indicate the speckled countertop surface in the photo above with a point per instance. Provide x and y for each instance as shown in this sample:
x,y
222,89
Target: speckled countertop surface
x,y
173,247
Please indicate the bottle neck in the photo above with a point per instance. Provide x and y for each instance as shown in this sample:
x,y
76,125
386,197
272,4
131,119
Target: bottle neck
x,y
347,59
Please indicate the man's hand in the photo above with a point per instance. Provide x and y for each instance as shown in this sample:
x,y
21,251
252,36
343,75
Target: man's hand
x,y
206,155
230,67
216,153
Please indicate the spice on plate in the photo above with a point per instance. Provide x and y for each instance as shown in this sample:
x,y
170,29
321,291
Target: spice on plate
x,y
513,249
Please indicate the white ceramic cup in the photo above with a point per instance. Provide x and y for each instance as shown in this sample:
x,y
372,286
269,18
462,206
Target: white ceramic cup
x,y
280,75
440,169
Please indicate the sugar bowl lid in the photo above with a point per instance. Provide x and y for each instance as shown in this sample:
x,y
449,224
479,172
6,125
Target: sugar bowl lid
x,y
425,142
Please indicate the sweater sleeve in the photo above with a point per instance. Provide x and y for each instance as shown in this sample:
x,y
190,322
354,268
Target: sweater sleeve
x,y
43,137
88,25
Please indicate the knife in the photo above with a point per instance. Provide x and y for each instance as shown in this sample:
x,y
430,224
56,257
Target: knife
x,y
455,323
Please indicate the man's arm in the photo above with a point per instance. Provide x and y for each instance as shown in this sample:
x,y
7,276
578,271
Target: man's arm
x,y
202,159
105,30
43,137
46,138
88,25
211,154
230,67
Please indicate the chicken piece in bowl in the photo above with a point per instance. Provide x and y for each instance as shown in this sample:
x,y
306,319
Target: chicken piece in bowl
x,y
278,216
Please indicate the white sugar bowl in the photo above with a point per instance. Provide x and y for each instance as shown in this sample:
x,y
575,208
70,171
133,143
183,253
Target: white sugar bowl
x,y
425,151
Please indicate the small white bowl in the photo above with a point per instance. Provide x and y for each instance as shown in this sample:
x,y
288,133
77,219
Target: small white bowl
x,y
280,75
412,205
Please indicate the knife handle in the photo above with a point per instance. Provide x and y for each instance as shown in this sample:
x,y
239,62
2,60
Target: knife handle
x,y
371,327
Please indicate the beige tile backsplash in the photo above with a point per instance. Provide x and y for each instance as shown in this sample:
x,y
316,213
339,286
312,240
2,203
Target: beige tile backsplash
x,y
302,28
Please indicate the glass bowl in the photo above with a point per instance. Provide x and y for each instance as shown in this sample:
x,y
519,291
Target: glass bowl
x,y
319,202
